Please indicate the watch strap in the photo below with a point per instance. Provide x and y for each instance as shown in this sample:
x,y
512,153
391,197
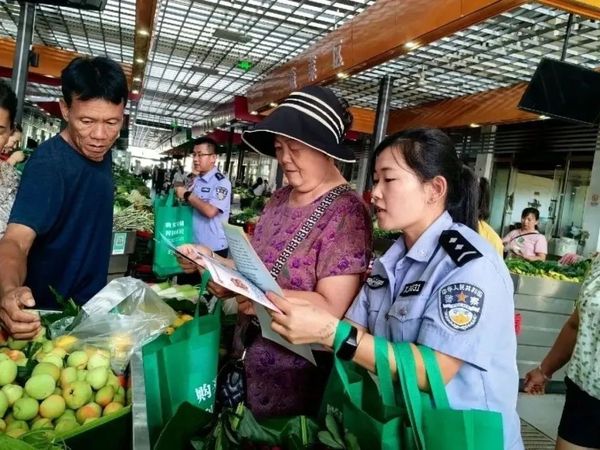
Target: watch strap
x,y
349,346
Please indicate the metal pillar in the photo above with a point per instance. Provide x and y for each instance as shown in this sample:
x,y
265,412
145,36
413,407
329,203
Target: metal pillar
x,y
381,123
229,149
21,58
563,53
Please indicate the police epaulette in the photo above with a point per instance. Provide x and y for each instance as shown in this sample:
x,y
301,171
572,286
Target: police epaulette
x,y
219,176
458,248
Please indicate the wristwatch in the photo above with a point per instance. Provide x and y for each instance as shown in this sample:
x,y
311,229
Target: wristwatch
x,y
186,195
349,346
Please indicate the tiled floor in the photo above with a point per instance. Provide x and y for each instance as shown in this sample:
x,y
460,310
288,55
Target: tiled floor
x,y
540,416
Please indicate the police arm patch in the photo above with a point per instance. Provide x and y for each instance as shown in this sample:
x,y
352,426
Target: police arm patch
x,y
461,305
221,192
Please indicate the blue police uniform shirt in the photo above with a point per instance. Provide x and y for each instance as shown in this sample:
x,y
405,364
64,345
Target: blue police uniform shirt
x,y
215,188
68,201
423,296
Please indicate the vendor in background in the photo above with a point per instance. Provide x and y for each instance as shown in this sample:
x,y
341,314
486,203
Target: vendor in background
x,y
527,242
305,133
60,229
258,188
579,343
440,285
483,227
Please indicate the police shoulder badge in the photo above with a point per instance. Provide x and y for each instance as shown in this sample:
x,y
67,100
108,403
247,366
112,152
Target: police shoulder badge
x,y
377,281
221,192
460,305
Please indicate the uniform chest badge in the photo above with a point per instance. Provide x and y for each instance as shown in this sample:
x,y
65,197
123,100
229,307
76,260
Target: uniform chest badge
x,y
461,305
412,289
377,281
221,192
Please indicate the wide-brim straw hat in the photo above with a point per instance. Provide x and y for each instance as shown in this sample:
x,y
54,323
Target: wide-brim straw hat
x,y
313,115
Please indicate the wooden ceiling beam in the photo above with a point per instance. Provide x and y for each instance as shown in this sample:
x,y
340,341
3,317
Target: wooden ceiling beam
x,y
484,108
376,35
51,61
585,8
145,10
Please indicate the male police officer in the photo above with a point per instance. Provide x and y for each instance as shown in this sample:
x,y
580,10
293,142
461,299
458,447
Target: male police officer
x,y
210,196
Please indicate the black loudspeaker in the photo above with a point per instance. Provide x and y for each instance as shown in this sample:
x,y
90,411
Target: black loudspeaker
x,y
95,5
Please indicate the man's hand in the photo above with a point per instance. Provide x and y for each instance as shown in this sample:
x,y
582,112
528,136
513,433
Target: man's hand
x,y
245,305
179,191
19,324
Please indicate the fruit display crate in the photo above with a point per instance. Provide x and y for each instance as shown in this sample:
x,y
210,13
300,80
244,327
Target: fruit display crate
x,y
544,306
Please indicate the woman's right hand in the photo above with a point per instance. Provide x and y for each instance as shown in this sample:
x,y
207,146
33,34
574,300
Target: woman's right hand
x,y
191,251
245,305
535,382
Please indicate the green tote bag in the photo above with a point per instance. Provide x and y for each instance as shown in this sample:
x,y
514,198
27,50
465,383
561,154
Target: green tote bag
x,y
174,221
436,425
367,409
182,367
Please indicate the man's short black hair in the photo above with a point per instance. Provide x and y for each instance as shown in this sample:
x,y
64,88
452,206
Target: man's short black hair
x,y
94,78
8,101
212,144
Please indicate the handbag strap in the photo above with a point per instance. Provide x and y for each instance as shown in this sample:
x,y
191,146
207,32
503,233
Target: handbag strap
x,y
407,374
434,376
307,227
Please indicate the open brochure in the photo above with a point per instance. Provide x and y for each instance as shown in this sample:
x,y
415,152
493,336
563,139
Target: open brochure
x,y
250,278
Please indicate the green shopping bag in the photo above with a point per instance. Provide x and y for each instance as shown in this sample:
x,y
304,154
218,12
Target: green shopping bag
x,y
369,411
182,367
174,221
436,425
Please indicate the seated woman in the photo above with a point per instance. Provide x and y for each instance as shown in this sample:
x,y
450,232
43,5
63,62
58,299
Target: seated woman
x,y
440,285
305,134
527,242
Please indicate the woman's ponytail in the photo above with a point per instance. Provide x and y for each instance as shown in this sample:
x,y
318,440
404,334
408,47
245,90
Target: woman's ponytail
x,y
463,206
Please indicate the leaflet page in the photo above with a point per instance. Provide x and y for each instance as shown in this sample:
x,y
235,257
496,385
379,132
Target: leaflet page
x,y
247,260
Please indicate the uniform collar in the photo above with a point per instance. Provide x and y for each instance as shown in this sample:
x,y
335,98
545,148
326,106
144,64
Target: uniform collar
x,y
428,242
208,175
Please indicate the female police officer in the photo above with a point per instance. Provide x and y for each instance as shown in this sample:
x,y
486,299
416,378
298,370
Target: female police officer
x,y
440,285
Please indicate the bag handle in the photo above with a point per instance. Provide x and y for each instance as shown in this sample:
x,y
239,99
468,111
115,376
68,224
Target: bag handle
x,y
170,198
384,372
201,290
307,227
407,374
382,363
434,376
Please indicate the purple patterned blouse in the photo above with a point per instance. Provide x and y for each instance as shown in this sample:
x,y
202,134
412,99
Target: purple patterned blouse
x,y
279,382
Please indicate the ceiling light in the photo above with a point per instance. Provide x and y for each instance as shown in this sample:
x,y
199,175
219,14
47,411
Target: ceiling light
x,y
542,117
204,70
232,36
139,60
254,113
137,79
474,125
143,33
411,45
342,75
273,105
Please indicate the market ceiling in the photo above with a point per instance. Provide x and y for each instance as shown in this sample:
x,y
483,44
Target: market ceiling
x,y
188,56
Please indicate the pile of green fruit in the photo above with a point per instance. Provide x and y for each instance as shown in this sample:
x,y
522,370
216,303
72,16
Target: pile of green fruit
x,y
551,270
53,385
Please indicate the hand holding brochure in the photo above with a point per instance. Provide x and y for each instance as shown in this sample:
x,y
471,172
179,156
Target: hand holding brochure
x,y
225,276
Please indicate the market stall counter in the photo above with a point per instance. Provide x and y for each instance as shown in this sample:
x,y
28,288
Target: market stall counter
x,y
544,305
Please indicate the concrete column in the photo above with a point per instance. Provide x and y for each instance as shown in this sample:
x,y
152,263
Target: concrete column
x,y
591,213
21,57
